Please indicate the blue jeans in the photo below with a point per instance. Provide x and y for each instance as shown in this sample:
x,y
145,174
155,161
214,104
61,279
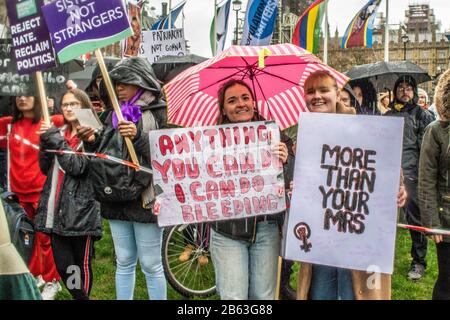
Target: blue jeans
x,y
133,240
247,270
331,283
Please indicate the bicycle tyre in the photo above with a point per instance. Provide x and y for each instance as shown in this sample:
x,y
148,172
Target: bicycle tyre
x,y
176,278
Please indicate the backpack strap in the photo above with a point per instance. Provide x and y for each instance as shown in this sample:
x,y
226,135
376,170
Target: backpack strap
x,y
148,121
148,124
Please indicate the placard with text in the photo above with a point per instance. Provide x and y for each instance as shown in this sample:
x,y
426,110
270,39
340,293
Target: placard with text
x,y
77,27
206,174
31,44
344,205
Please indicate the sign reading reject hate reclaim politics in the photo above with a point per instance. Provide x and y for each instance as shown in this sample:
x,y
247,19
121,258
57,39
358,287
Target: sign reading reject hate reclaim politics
x,y
206,174
30,39
80,26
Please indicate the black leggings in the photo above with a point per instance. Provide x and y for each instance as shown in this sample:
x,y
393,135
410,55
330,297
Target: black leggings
x,y
441,289
73,259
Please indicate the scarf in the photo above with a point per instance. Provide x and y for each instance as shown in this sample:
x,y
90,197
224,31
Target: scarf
x,y
130,111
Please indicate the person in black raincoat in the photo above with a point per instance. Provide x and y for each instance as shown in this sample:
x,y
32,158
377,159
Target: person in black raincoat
x,y
67,209
416,119
133,224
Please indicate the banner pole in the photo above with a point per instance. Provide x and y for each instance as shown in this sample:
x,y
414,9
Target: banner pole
x,y
115,103
386,34
277,290
42,96
170,16
215,29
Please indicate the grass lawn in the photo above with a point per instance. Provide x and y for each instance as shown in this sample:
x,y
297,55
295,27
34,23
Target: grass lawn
x,y
402,288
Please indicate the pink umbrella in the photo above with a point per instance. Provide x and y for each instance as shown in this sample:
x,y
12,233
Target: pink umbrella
x,y
276,73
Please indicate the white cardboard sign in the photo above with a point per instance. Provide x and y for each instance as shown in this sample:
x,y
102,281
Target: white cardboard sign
x,y
347,173
214,173
160,43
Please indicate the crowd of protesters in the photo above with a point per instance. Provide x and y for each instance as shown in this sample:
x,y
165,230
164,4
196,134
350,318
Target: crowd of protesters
x,y
67,194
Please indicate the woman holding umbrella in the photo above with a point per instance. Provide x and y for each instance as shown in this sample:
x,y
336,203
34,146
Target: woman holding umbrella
x,y
245,252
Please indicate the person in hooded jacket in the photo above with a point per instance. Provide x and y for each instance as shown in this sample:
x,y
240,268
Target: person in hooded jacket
x,y
245,251
67,210
133,224
416,119
434,188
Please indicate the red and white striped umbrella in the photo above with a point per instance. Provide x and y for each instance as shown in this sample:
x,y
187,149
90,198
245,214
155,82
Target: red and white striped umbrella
x,y
276,73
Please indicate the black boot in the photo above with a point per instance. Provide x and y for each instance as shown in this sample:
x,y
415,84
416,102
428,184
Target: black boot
x,y
286,291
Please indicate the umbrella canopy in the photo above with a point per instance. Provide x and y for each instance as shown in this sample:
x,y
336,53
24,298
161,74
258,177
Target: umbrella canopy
x,y
167,67
276,73
384,74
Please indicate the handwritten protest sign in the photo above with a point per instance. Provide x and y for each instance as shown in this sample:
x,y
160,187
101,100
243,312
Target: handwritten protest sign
x,y
30,38
14,84
80,26
216,173
343,211
160,43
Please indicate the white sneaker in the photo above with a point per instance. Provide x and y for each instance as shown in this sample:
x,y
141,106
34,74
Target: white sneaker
x,y
39,281
50,290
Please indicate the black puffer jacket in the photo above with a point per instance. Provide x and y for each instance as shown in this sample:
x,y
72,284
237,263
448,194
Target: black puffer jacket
x,y
75,213
245,229
416,119
135,71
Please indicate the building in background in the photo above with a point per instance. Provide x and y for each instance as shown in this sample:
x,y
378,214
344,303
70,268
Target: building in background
x,y
418,39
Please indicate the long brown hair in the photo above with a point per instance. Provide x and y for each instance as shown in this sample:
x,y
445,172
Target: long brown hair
x,y
81,96
84,99
17,114
222,118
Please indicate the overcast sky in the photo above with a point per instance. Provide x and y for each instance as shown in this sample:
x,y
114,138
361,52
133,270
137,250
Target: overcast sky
x,y
199,14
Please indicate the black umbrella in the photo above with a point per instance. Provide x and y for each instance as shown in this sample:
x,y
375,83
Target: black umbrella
x,y
167,67
384,74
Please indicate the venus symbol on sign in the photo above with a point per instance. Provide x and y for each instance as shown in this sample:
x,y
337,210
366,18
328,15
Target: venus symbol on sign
x,y
302,232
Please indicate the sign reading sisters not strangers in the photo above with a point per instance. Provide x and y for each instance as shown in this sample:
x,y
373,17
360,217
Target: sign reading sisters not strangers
x,y
207,174
31,43
344,203
81,26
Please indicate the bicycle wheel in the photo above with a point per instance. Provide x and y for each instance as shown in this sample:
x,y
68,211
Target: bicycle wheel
x,y
188,276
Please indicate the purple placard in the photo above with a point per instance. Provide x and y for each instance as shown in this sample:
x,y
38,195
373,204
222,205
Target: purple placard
x,y
80,26
31,43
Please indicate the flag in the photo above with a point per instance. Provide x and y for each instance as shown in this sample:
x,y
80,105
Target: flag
x,y
307,30
359,32
222,14
163,23
259,22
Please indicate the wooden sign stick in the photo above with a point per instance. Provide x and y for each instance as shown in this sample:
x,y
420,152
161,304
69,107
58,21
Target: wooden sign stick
x,y
115,103
42,96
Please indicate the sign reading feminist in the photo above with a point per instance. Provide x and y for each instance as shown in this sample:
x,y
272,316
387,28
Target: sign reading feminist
x,y
31,43
343,211
80,26
206,174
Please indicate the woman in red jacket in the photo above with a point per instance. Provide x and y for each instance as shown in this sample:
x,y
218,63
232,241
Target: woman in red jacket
x,y
20,135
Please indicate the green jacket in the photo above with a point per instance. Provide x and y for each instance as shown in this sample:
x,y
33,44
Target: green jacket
x,y
434,176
